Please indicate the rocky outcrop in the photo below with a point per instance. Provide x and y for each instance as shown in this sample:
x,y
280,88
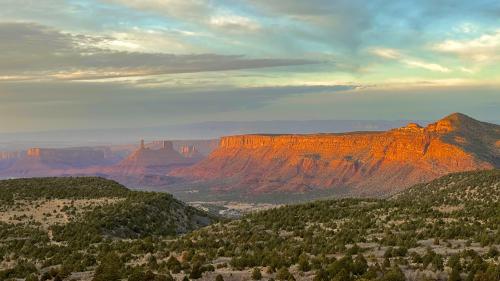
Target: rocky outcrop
x,y
190,151
364,162
148,161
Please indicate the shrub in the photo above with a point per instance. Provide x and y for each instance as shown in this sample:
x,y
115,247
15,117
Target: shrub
x,y
256,275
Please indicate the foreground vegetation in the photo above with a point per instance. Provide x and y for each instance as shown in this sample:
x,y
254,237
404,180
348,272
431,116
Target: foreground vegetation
x,y
448,229
84,232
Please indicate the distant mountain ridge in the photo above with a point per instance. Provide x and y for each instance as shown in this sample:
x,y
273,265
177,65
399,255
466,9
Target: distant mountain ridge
x,y
51,161
146,166
370,163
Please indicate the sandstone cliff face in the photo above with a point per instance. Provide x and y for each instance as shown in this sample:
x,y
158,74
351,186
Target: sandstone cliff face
x,y
366,162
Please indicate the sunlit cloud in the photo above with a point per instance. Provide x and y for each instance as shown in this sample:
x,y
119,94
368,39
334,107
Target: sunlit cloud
x,y
481,49
150,41
234,22
185,9
425,65
71,56
468,70
393,54
386,53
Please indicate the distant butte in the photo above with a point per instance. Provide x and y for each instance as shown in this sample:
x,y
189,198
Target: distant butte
x,y
370,163
146,161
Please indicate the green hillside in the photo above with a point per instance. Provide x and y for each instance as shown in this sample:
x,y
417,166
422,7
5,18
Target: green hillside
x,y
53,221
420,233
448,229
59,188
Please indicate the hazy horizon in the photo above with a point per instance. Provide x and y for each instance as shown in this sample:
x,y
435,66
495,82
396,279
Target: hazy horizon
x,y
203,130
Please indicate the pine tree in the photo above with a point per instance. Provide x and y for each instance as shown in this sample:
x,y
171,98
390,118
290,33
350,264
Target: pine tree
x,y
304,265
283,274
454,275
109,269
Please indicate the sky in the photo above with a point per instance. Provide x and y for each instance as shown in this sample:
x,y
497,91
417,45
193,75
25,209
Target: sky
x,y
90,64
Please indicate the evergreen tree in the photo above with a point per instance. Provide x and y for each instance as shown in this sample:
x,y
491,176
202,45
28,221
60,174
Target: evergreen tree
x,y
196,272
342,275
394,274
360,265
109,269
173,264
283,274
304,265
454,275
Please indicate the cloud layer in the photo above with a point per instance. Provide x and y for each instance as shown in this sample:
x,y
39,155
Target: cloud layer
x,y
35,51
92,63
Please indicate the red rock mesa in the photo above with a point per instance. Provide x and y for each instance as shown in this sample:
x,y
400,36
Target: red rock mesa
x,y
365,162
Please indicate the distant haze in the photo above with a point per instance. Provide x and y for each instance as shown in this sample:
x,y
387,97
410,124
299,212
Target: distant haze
x,y
206,130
